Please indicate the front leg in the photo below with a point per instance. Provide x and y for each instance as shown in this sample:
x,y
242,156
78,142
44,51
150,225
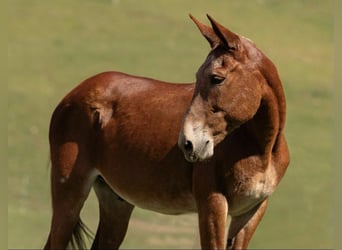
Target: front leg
x,y
243,227
212,207
212,216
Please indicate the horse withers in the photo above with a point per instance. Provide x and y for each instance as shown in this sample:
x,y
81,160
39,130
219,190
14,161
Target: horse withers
x,y
119,133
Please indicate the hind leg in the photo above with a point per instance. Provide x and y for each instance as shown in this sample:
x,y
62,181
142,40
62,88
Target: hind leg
x,y
114,217
68,197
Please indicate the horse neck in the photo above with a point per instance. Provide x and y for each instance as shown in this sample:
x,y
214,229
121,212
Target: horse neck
x,y
267,124
271,75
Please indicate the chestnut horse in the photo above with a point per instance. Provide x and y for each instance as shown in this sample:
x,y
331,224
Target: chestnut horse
x,y
118,134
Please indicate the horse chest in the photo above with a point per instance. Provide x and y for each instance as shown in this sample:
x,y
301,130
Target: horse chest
x,y
247,192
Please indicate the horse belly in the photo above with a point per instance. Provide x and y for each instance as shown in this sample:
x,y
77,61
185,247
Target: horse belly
x,y
158,198
161,188
165,203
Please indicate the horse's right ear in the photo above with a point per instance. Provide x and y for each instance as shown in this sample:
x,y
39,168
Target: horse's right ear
x,y
207,32
228,38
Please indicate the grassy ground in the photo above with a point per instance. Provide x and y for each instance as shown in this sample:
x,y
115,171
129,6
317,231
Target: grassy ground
x,y
53,45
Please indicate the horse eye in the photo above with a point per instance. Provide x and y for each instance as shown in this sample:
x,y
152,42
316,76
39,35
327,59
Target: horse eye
x,y
216,79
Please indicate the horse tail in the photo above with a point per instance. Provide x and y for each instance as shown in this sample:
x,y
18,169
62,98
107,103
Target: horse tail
x,y
80,235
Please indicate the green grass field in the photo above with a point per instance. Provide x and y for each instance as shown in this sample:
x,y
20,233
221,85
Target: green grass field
x,y
53,45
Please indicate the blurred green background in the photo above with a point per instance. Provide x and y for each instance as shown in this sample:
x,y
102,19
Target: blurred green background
x,y
54,45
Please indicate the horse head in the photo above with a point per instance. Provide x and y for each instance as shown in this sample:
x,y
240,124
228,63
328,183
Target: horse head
x,y
230,86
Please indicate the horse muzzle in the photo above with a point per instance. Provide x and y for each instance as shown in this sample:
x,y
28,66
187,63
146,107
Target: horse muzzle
x,y
197,145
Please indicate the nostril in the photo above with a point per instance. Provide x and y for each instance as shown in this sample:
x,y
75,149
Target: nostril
x,y
188,146
215,109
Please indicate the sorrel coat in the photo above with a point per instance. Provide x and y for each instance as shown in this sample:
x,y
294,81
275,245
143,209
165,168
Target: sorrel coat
x,y
119,133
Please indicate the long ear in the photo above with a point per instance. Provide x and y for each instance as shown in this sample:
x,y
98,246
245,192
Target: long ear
x,y
227,38
207,32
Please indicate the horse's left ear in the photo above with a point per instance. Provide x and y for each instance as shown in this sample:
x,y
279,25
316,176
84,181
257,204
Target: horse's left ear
x,y
228,38
207,32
